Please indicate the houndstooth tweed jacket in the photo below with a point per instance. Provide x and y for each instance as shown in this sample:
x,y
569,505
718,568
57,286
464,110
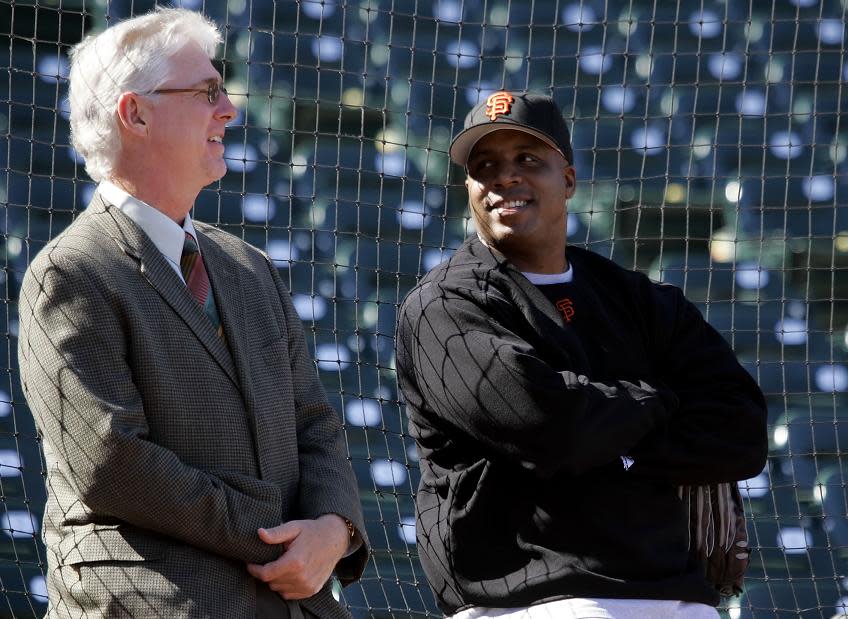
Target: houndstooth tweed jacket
x,y
167,448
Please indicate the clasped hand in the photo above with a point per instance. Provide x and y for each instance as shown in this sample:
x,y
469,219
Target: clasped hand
x,y
311,549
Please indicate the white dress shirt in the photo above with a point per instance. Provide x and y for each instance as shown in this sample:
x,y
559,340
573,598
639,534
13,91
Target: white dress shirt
x,y
166,234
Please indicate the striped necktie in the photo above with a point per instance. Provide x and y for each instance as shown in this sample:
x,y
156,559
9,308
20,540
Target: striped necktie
x,y
197,281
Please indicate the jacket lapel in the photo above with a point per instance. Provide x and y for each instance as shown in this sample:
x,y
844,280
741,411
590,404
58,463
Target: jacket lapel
x,y
154,268
226,286
223,272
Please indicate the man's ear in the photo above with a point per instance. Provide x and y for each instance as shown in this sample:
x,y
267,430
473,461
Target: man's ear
x,y
133,114
570,180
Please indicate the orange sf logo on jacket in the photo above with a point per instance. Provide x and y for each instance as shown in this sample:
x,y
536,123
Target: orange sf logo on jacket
x,y
566,307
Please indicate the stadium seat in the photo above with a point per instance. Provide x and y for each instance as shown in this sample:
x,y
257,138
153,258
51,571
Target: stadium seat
x,y
814,432
771,329
831,488
795,547
677,69
750,327
819,68
704,280
707,100
781,378
805,442
598,146
793,207
24,590
784,30
785,598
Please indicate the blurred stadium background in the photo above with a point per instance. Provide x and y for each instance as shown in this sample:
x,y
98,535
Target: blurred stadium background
x,y
710,153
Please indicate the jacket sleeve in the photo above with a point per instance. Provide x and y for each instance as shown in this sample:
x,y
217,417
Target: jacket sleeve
x,y
327,484
466,369
718,432
79,386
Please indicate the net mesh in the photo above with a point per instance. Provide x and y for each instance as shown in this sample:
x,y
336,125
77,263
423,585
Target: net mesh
x,y
710,153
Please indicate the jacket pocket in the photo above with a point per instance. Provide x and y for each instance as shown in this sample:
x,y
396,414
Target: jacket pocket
x,y
93,542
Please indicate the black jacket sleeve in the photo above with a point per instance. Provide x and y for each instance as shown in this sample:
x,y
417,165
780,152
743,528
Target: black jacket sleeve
x,y
718,432
466,369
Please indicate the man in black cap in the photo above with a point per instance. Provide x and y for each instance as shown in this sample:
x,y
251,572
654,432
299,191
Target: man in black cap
x,y
559,401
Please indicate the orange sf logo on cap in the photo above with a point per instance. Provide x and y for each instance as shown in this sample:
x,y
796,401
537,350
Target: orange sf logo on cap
x,y
497,104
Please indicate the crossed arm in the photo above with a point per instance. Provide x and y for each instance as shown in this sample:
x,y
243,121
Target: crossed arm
x,y
465,365
468,365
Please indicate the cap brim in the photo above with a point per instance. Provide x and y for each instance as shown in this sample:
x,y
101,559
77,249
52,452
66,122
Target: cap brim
x,y
465,141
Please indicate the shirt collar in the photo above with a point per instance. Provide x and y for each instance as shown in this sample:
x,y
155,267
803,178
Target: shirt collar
x,y
544,279
167,235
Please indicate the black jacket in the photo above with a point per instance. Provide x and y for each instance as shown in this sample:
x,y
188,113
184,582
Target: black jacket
x,y
523,496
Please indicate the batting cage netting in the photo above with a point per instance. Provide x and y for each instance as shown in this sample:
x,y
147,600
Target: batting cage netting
x,y
710,153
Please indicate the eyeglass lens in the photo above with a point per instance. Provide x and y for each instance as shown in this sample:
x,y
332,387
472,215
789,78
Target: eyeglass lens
x,y
213,93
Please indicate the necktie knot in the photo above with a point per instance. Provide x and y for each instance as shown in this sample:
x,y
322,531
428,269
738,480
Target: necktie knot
x,y
189,257
190,245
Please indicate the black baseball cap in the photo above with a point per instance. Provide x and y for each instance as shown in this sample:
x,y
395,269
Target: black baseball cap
x,y
538,115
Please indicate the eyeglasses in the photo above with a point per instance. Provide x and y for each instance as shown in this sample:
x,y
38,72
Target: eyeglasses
x,y
213,91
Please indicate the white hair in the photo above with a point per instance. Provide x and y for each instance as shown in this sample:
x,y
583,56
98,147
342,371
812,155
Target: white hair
x,y
131,56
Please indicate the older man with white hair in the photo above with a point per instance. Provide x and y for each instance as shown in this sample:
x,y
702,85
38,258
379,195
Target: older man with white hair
x,y
195,467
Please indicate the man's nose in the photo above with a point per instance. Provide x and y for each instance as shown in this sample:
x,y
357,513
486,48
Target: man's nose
x,y
226,110
506,174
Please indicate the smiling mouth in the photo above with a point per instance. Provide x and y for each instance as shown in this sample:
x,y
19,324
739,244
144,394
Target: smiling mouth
x,y
510,206
217,139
